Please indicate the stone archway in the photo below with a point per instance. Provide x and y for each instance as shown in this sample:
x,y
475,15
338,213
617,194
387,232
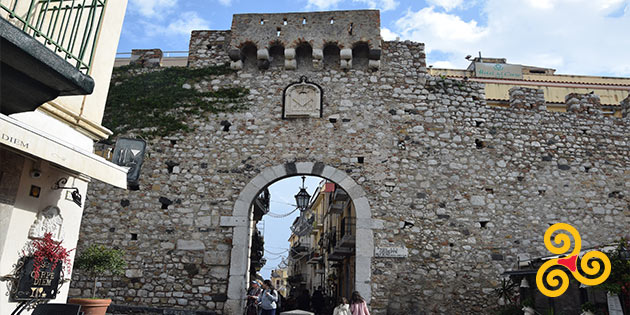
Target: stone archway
x,y
241,218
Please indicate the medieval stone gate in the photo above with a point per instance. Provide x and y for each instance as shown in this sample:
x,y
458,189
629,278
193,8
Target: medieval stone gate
x,y
466,189
242,216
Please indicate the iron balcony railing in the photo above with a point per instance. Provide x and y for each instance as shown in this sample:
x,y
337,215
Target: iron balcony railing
x,y
69,27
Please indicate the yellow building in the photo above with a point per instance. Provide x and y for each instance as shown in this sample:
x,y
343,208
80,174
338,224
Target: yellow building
x,y
499,76
279,280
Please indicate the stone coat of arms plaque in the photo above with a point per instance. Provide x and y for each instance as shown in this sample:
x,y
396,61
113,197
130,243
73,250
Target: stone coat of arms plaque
x,y
302,100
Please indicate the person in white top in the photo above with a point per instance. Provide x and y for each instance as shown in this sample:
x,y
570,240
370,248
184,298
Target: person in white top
x,y
343,308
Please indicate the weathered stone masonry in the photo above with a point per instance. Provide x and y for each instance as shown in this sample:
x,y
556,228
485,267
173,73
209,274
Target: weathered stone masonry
x,y
466,187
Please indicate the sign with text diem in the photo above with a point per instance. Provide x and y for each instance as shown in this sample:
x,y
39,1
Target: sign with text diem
x,y
498,71
395,252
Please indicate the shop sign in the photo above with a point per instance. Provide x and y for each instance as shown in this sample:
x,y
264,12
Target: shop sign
x,y
391,252
498,71
44,287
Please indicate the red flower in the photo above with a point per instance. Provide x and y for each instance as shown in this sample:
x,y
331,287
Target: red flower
x,y
47,248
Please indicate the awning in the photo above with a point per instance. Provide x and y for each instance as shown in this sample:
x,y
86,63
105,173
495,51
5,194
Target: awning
x,y
25,138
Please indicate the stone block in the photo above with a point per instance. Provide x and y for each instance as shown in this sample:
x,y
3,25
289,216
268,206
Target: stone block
x,y
236,65
374,64
345,54
262,54
304,167
318,54
236,221
345,64
133,273
190,245
290,64
289,53
234,54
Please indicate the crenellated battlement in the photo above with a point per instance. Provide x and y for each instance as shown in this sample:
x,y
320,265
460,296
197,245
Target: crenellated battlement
x,y
306,40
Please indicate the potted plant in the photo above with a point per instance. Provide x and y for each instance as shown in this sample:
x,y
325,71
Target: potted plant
x,y
588,309
96,261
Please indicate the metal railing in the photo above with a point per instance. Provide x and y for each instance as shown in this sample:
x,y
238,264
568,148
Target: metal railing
x,y
71,27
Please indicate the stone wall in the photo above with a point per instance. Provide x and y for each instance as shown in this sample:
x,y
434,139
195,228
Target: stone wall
x,y
208,48
583,103
149,58
467,188
527,98
625,107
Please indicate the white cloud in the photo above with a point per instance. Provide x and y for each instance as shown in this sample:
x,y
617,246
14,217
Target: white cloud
x,y
384,5
152,8
225,2
182,25
444,64
388,35
446,4
572,36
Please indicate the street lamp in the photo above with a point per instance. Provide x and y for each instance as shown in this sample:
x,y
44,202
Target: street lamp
x,y
302,197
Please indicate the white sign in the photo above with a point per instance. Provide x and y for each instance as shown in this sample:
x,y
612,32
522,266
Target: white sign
x,y
395,252
498,71
614,305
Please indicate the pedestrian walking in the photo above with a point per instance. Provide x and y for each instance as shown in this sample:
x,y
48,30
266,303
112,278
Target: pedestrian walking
x,y
268,299
252,298
343,308
317,301
358,305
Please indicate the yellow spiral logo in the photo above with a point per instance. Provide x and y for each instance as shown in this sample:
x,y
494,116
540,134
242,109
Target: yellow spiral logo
x,y
553,280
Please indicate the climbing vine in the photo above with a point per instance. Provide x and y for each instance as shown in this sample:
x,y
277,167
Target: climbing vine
x,y
161,102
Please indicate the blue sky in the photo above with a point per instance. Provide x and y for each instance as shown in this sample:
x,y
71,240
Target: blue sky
x,y
276,230
572,36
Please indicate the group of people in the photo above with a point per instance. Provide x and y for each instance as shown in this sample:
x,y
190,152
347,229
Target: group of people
x,y
262,301
267,300
357,306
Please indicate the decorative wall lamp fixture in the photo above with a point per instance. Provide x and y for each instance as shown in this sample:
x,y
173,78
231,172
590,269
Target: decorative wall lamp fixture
x,y
302,197
76,196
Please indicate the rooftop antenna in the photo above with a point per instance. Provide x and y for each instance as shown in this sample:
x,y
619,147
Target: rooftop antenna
x,y
480,55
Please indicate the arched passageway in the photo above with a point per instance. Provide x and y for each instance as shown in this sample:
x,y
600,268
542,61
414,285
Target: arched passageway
x,y
242,217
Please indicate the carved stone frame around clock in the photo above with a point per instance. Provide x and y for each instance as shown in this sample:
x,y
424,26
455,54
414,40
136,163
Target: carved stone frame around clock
x,y
303,81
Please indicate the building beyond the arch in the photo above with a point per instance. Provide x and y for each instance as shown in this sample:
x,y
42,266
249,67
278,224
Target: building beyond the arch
x,y
459,191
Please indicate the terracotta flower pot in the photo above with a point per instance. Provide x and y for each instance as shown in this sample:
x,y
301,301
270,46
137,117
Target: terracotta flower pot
x,y
92,306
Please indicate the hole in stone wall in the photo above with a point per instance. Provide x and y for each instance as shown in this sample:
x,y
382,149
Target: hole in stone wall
x,y
226,125
478,123
360,56
276,56
170,165
360,160
165,202
191,269
331,56
203,165
133,187
134,236
124,202
490,190
278,32
350,28
483,224
586,169
303,21
170,231
173,142
209,46
520,178
304,56
451,244
479,144
262,22
112,230
541,192
616,194
248,56
345,119
332,20
284,21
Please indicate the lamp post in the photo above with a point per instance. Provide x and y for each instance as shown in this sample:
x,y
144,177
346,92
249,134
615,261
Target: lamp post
x,y
302,197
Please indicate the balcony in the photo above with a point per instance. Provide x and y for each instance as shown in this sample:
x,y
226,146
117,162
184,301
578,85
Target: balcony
x,y
46,50
342,240
261,205
300,249
338,201
315,258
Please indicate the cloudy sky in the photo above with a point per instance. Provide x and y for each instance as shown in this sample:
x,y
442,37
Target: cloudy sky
x,y
572,36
